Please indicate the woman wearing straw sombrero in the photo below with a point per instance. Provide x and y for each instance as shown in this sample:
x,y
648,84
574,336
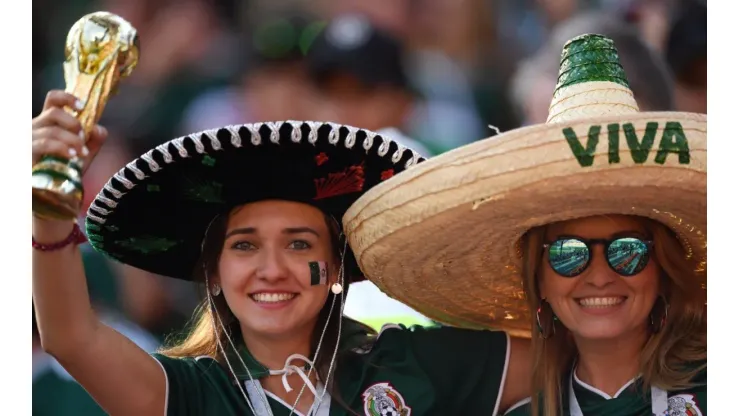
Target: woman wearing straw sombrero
x,y
587,232
252,212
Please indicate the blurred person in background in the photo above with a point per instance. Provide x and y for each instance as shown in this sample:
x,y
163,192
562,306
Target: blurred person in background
x,y
452,60
359,71
686,52
392,16
187,47
651,18
457,64
273,82
525,25
649,76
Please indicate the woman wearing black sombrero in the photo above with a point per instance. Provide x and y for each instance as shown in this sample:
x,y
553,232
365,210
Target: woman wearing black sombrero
x,y
253,212
587,232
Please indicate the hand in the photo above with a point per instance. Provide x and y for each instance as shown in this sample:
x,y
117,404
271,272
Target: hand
x,y
56,132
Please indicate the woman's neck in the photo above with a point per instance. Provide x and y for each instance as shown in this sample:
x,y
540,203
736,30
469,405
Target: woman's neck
x,y
273,351
608,364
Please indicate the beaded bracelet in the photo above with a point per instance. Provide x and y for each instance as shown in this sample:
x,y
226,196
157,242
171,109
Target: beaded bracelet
x,y
76,236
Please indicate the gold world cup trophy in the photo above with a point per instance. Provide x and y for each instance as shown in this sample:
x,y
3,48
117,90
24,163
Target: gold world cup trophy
x,y
101,49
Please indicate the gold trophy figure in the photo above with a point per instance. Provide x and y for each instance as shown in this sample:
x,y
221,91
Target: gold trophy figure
x,y
101,49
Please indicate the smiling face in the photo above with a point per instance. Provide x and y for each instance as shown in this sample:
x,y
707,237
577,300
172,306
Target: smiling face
x,y
264,267
599,303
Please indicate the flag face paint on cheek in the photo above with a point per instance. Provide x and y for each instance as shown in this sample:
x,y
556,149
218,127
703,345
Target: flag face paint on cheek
x,y
319,273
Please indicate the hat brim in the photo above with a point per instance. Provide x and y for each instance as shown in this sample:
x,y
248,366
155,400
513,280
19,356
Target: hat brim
x,y
443,237
154,213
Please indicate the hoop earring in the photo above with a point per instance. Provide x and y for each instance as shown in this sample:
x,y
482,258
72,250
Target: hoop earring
x,y
216,290
657,323
546,332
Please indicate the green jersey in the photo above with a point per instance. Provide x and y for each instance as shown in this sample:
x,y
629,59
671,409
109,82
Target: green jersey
x,y
630,400
414,371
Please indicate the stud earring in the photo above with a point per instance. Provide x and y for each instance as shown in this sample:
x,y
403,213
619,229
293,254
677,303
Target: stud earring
x,y
336,288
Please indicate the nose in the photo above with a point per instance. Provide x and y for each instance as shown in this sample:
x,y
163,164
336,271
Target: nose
x,y
599,274
271,266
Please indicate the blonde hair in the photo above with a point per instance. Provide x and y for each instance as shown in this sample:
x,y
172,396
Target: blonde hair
x,y
202,336
666,358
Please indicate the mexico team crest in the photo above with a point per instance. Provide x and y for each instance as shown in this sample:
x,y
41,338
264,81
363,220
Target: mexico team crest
x,y
683,405
381,399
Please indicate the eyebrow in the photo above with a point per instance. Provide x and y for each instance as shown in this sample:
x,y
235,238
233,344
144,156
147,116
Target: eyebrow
x,y
248,230
290,230
300,230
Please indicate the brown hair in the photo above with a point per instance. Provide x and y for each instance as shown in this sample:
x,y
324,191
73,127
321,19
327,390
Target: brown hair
x,y
203,339
666,358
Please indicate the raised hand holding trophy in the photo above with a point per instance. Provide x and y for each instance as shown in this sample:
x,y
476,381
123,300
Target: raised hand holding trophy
x,y
101,49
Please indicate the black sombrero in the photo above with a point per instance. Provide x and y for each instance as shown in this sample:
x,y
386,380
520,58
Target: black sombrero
x,y
154,212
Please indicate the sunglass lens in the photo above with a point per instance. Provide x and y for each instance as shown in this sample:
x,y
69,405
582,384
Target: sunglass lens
x,y
628,256
568,257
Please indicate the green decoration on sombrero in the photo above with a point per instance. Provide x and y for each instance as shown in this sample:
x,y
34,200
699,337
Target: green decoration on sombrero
x,y
209,192
208,161
591,82
590,58
147,244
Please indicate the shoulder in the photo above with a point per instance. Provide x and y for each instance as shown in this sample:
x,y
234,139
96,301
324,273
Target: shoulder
x,y
189,368
438,345
692,400
520,408
204,360
439,335
438,341
701,375
198,385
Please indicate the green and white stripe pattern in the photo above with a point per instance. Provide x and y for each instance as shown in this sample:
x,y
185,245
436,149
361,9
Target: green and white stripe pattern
x,y
591,82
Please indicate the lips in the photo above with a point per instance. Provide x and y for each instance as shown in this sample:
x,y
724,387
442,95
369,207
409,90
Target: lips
x,y
272,297
601,302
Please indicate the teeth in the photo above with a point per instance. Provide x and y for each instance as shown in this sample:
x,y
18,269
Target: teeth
x,y
273,297
600,302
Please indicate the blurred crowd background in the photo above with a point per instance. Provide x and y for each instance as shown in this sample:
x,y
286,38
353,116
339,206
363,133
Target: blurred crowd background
x,y
434,74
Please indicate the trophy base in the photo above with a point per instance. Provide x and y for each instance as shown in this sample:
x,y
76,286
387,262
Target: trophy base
x,y
57,190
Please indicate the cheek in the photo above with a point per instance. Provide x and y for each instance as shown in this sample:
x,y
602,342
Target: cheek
x,y
302,273
646,283
554,286
316,296
233,273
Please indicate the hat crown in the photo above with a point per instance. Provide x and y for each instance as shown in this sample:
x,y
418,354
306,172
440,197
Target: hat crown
x,y
591,81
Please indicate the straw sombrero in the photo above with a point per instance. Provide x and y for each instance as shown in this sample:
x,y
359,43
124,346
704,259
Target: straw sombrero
x,y
443,237
153,214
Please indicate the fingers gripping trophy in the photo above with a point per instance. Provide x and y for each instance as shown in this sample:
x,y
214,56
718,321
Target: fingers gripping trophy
x,y
101,49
